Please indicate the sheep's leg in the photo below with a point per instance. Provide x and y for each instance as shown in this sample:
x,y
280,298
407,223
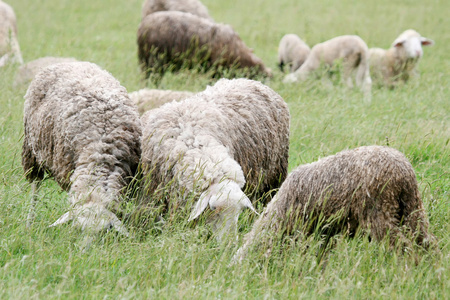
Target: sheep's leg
x,y
31,213
346,74
363,80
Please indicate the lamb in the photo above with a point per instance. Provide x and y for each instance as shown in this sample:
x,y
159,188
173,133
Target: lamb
x,y
292,51
372,188
172,40
353,52
26,73
147,99
194,7
9,45
231,135
398,63
82,129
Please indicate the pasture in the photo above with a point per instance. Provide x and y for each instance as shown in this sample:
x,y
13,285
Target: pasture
x,y
179,260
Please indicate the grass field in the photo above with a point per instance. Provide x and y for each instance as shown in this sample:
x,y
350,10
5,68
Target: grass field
x,y
181,261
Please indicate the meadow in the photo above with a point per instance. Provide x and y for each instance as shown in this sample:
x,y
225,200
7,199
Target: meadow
x,y
179,260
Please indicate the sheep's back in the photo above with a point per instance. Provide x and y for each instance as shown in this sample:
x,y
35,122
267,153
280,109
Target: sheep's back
x,y
357,183
190,6
75,110
259,133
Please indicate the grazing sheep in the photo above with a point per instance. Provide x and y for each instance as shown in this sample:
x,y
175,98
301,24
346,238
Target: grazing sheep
x,y
82,129
292,51
373,188
231,135
398,63
194,7
172,40
9,45
147,99
26,73
353,52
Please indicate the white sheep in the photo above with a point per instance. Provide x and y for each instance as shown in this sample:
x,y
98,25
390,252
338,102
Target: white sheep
x,y
26,72
9,45
372,188
233,136
353,52
147,99
292,51
83,130
194,7
398,63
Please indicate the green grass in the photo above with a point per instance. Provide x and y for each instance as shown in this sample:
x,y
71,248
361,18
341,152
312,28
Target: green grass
x,y
181,261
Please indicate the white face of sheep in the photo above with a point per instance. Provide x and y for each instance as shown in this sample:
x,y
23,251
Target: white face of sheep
x,y
226,200
93,218
412,45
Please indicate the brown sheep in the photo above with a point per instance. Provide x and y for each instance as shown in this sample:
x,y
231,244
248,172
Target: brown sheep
x,y
172,40
372,188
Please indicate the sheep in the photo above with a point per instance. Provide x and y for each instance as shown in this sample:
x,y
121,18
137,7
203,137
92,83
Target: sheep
x,y
372,188
147,99
194,7
233,136
9,45
398,63
353,52
292,51
26,73
81,128
175,40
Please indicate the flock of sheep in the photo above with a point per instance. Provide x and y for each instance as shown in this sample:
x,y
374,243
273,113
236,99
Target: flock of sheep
x,y
227,146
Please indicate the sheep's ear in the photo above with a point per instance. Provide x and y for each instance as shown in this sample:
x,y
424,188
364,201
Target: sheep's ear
x,y
247,203
426,42
200,206
63,219
398,42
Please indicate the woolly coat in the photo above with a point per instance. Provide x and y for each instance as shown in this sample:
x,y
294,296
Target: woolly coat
x,y
182,40
147,99
194,7
9,45
292,51
354,54
237,129
26,73
82,129
372,188
394,65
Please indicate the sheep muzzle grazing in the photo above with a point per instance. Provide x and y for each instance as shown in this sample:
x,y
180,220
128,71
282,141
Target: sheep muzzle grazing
x,y
92,217
226,200
232,137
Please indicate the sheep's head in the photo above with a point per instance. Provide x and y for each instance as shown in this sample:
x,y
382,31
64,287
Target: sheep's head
x,y
226,200
411,43
92,217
